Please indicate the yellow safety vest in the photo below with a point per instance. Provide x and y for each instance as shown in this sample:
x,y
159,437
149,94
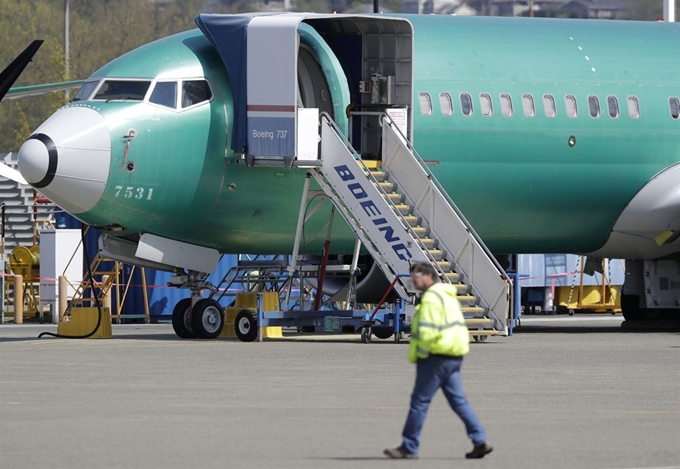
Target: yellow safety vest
x,y
438,326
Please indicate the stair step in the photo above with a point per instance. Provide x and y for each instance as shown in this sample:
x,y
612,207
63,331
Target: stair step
x,y
429,243
463,288
372,164
479,322
404,209
396,197
474,310
421,231
387,186
412,220
437,254
454,277
445,266
468,300
474,332
380,176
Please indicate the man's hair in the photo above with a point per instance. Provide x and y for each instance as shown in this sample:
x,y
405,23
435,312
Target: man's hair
x,y
425,269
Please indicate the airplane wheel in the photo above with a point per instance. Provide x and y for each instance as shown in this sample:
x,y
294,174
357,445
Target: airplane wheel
x,y
630,307
366,333
181,319
207,319
382,333
245,326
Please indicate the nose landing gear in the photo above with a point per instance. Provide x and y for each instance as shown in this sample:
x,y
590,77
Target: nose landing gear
x,y
202,320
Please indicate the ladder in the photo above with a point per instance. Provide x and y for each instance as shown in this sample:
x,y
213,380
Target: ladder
x,y
90,291
402,215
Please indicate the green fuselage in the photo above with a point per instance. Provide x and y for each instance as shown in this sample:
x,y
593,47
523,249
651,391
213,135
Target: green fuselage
x,y
517,179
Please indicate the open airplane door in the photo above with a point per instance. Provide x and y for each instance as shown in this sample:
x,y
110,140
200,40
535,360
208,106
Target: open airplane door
x,y
281,66
272,53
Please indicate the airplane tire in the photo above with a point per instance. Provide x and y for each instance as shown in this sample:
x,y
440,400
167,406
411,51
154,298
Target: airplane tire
x,y
630,307
382,332
245,326
207,319
181,322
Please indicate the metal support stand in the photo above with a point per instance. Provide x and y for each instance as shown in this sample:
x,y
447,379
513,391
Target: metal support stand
x,y
324,263
516,307
398,308
2,288
259,318
298,234
351,291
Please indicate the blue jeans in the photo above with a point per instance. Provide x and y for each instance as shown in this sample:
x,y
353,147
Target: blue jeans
x,y
431,374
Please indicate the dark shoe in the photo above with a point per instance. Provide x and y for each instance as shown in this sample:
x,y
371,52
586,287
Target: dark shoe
x,y
399,453
479,451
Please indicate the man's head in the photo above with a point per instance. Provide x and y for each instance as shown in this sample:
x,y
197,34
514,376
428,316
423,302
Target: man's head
x,y
423,276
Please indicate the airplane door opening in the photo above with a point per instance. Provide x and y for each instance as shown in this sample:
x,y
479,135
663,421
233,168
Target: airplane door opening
x,y
312,84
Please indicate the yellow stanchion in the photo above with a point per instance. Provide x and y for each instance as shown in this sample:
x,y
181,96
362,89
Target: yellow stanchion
x,y
18,299
63,297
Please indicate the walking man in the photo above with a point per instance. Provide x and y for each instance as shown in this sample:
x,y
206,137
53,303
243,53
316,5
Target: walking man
x,y
439,341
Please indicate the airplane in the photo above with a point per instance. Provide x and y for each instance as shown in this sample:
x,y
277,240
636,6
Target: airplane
x,y
551,136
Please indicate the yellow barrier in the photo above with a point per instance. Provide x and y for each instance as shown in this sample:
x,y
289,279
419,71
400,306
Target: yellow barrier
x,y
84,320
248,301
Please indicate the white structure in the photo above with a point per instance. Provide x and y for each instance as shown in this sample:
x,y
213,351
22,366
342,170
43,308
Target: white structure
x,y
61,253
669,10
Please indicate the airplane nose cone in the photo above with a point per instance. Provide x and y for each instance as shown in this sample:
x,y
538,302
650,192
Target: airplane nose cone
x,y
35,159
68,158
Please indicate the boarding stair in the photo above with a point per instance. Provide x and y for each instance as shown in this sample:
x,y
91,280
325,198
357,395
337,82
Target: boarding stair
x,y
23,217
402,214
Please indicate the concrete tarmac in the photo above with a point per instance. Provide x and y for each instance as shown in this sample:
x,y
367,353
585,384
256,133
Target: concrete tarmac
x,y
563,392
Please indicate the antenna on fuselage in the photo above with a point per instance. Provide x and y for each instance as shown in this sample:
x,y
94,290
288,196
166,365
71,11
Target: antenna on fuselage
x,y
376,6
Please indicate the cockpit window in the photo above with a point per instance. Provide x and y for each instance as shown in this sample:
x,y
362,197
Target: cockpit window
x,y
123,90
165,94
195,92
86,90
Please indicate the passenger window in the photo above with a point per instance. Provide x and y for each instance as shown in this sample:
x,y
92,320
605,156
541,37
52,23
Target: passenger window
x,y
675,107
165,94
86,90
485,102
571,106
633,107
528,105
613,105
195,92
466,104
594,106
549,105
446,104
123,90
506,105
425,103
